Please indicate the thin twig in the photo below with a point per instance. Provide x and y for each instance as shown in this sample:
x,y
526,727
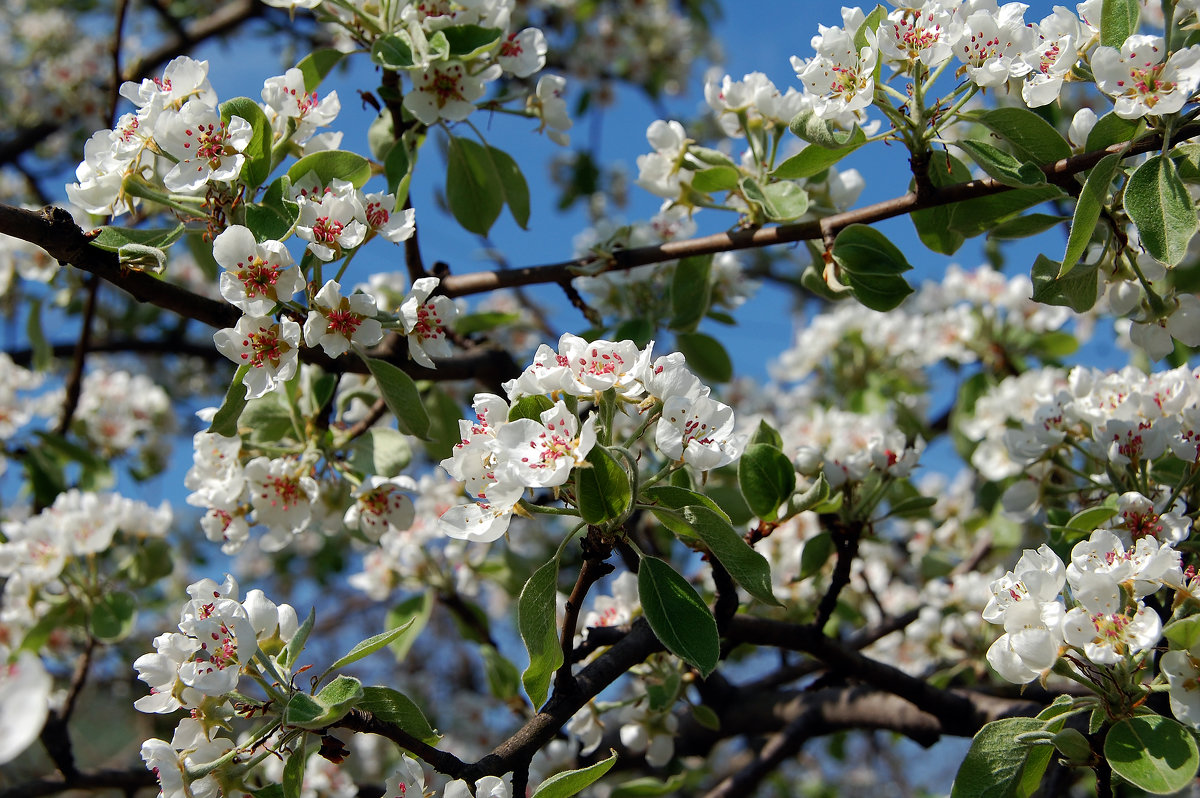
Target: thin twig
x,y
845,538
74,382
593,569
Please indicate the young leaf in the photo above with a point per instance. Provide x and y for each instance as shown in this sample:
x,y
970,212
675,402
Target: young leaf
x,y
1153,753
225,422
767,479
1033,139
1002,166
401,395
603,491
1111,129
572,782
111,239
1087,210
691,288
995,763
1077,290
329,165
872,265
316,65
113,616
258,151
1118,21
1159,204
675,497
815,554
502,677
535,620
677,616
474,190
410,615
812,128
392,706
934,225
469,41
705,356
293,769
747,567
812,160
367,647
516,189
393,52
294,646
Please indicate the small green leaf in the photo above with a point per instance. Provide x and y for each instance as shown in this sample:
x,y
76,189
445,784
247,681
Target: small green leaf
x,y
393,51
1091,203
646,787
330,165
639,330
1033,139
305,712
113,616
291,652
367,647
341,695
392,706
516,189
225,421
812,128
410,615
979,215
706,356
1002,166
1111,129
1159,204
691,289
872,266
706,717
293,769
1183,633
1087,521
716,178
812,160
382,450
317,64
502,677
572,782
765,433
995,763
1077,290
257,165
780,202
474,190
530,407
1153,753
933,225
603,491
402,397
1029,224
767,479
677,616
111,239
470,41
43,353
536,609
816,552
1118,21
747,567
814,495
675,497
397,168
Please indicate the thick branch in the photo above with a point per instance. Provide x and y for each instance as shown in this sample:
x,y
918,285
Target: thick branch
x,y
463,284
127,781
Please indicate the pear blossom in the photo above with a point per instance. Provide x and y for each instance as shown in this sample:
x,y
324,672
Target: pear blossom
x,y
447,90
916,34
100,178
336,322
183,79
841,76
1051,57
383,219
1141,82
215,478
160,671
1030,643
659,172
424,319
1107,638
189,749
542,455
1182,669
286,100
991,43
381,505
332,220
486,787
282,494
523,53
1081,125
547,104
257,276
24,702
1182,324
204,147
699,432
269,347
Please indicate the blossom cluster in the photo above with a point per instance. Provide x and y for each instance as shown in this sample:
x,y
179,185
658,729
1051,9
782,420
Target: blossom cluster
x,y
1109,575
499,458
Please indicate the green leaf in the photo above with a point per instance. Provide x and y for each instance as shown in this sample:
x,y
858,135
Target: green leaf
x,y
1091,202
705,356
330,165
293,770
274,217
516,190
1183,633
393,52
152,561
1085,522
1159,204
367,647
410,615
474,190
142,258
113,615
1118,21
536,610
706,717
603,491
225,421
402,397
747,567
1077,290
572,782
767,479
381,450
872,266
765,433
639,330
470,41
257,166
812,160
934,224
815,494
816,552
392,706
484,321
111,239
976,216
43,353
1002,166
1033,139
647,786
995,763
675,497
677,615
317,64
812,128
397,168
502,677
1153,753
291,652
327,707
780,202
691,290
1111,129
1028,225
716,178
